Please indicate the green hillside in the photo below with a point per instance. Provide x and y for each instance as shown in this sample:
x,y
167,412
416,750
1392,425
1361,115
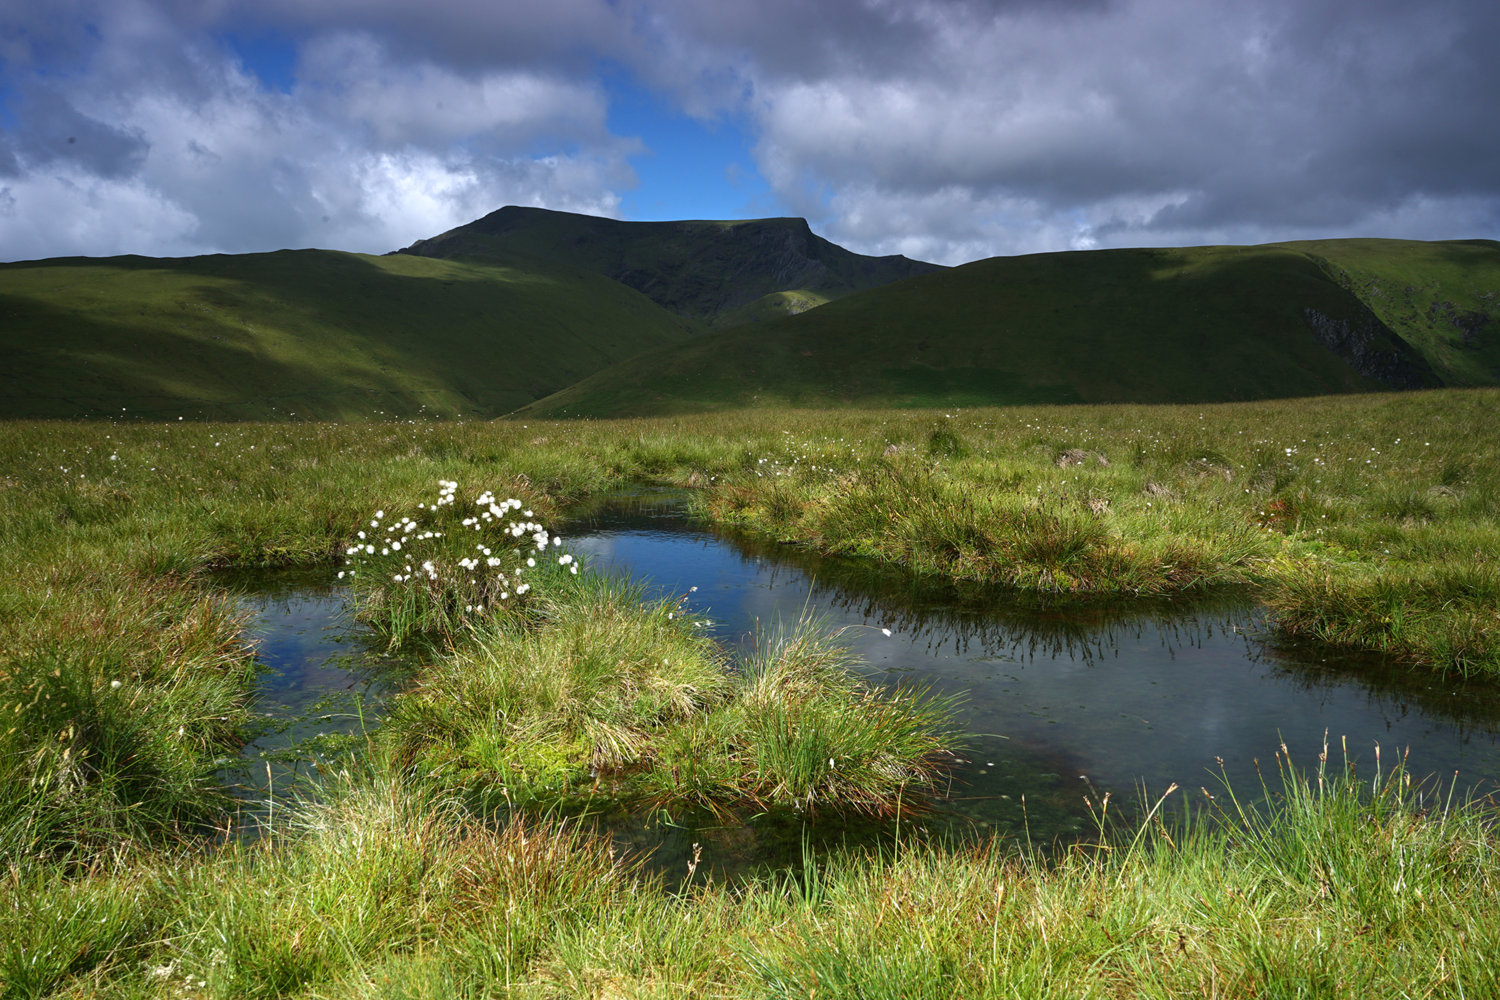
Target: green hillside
x,y
315,333
1164,325
1442,298
722,273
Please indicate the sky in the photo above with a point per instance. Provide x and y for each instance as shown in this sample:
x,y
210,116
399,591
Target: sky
x,y
945,130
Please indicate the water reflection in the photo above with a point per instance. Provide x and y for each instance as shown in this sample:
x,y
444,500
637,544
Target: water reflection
x,y
1061,698
323,679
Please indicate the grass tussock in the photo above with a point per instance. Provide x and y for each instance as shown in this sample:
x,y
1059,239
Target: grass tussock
x,y
598,698
438,573
112,736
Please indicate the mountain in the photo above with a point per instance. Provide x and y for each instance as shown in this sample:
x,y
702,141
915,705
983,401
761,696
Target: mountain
x,y
1197,324
310,333
720,273
548,313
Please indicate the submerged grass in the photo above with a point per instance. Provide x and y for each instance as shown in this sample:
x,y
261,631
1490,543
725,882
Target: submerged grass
x,y
1337,885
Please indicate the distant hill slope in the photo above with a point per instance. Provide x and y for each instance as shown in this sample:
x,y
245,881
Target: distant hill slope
x,y
317,333
722,273
1171,325
1443,298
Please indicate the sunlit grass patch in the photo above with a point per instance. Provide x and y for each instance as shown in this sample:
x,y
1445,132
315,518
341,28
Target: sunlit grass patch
x,y
541,707
602,696
382,876
996,526
58,931
1445,615
1333,884
1366,521
110,737
1154,500
802,729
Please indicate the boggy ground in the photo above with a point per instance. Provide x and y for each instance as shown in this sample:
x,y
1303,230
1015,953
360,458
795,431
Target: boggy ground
x,y
124,679
1372,522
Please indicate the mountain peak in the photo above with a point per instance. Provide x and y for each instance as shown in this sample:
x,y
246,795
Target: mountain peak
x,y
715,271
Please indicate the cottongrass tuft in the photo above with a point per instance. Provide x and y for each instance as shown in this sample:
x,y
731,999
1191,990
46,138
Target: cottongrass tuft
x,y
435,576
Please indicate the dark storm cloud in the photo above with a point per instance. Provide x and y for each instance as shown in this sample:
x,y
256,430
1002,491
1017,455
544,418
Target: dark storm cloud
x,y
464,35
1149,121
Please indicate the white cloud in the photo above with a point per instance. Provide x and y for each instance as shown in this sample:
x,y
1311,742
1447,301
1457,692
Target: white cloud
x,y
944,129
68,212
367,152
351,78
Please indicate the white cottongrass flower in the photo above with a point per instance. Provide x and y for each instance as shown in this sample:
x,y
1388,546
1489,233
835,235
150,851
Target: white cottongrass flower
x,y
472,577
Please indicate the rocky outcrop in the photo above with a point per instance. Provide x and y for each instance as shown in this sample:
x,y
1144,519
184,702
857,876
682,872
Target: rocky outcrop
x,y
1372,349
1469,323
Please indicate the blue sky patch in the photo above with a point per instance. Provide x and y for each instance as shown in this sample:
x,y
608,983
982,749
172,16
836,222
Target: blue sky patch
x,y
691,169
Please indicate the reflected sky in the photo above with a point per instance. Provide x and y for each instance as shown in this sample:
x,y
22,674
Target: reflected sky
x,y
1058,698
322,680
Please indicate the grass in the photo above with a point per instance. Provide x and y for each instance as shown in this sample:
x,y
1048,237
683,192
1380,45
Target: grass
x,y
116,716
1344,885
1372,519
567,315
1184,325
1439,297
592,698
1367,522
309,334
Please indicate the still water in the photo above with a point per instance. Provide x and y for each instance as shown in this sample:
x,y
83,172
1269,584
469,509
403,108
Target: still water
x,y
323,678
1059,701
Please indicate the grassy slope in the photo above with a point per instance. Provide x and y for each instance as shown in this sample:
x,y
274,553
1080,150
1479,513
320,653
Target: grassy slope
x,y
323,334
713,271
1442,298
1170,325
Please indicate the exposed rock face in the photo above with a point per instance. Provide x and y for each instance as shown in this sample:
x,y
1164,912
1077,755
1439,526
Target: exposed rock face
x,y
704,270
1469,323
1372,349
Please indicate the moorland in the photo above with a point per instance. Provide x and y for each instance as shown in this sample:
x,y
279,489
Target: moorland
x,y
1342,469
